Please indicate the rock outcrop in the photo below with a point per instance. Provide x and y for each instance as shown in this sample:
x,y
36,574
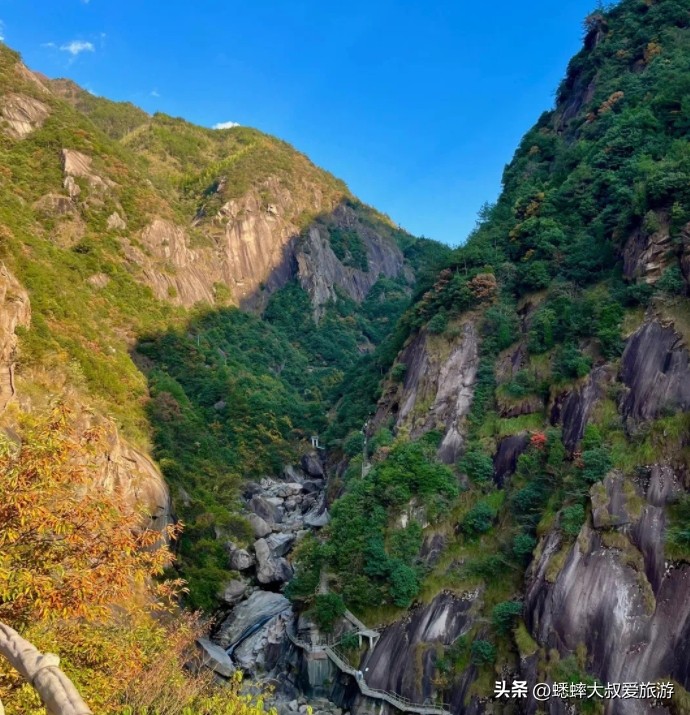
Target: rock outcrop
x,y
404,658
646,255
616,593
22,114
15,311
321,273
437,389
76,164
655,368
260,607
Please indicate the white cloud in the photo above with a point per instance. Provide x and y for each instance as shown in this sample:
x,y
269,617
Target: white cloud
x,y
155,93
77,46
225,125
51,45
2,31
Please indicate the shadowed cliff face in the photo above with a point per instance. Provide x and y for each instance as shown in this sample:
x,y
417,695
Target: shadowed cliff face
x,y
404,659
656,370
253,250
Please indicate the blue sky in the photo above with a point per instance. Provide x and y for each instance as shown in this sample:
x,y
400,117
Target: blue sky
x,y
417,105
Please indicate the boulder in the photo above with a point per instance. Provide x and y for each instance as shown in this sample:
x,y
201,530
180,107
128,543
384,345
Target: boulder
x,y
292,474
290,489
240,559
116,222
259,526
98,280
270,569
311,486
280,544
312,466
268,509
234,591
215,658
260,606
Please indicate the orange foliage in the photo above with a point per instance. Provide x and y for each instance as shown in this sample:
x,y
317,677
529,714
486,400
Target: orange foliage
x,y
68,547
484,286
538,440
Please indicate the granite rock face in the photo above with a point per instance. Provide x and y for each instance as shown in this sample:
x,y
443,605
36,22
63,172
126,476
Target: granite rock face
x,y
21,114
616,593
404,658
15,311
655,368
437,390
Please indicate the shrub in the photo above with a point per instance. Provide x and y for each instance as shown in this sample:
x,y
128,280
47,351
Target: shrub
x,y
572,519
328,607
404,584
478,520
438,324
398,372
672,281
483,653
479,467
523,546
504,615
595,464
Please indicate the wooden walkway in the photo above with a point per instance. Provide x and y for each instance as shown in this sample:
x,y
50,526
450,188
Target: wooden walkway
x,y
397,701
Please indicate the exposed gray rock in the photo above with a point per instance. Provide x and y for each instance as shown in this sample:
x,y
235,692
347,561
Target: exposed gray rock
x,y
406,646
260,605
79,165
15,311
505,459
573,409
215,658
280,544
283,491
312,486
614,592
321,273
259,526
98,280
234,591
444,380
269,510
22,114
270,569
55,205
311,464
318,519
116,222
656,368
72,187
239,559
645,255
432,548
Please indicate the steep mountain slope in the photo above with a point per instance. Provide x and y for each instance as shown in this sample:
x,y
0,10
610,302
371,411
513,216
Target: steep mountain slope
x,y
548,368
128,245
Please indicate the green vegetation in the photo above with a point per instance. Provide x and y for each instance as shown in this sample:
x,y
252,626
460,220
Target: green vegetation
x,y
371,556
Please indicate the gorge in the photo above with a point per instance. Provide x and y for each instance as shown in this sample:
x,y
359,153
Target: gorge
x,y
405,472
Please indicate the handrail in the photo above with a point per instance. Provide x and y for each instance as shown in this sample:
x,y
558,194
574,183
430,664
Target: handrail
x,y
398,701
41,670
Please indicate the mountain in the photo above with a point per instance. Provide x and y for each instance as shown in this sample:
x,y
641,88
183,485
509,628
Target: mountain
x,y
548,369
481,453
179,307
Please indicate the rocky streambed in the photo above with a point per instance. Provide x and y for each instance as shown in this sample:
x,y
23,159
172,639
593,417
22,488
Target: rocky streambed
x,y
251,632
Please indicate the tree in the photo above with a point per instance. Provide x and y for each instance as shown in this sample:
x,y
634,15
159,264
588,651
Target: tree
x,y
68,548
